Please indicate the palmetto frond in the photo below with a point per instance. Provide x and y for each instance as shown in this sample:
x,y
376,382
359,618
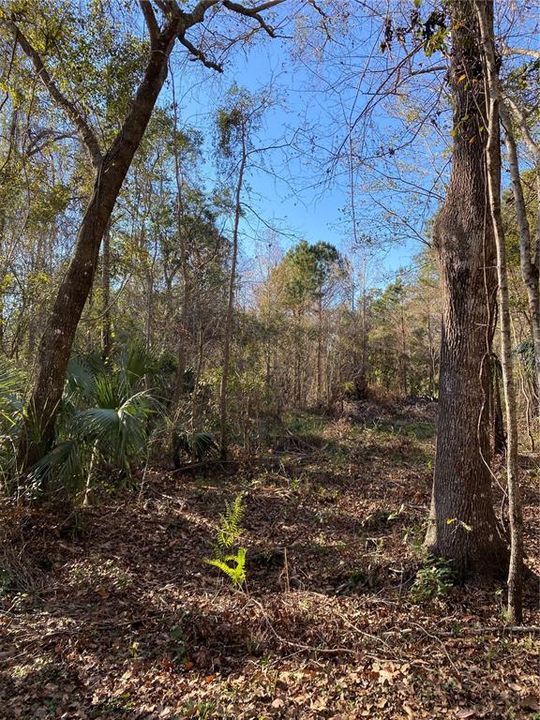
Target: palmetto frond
x,y
136,363
63,465
119,431
109,391
199,445
12,384
80,377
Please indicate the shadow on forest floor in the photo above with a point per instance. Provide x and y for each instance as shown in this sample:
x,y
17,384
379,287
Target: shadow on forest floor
x,y
112,612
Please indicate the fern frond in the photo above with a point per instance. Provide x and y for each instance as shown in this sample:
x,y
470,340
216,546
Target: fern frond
x,y
229,530
235,571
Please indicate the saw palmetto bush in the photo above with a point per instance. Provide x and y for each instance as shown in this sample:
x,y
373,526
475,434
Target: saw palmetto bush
x,y
12,386
105,424
104,428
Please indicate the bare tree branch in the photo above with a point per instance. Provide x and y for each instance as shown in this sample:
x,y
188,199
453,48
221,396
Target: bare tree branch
x,y
254,13
150,19
521,51
531,143
199,55
197,14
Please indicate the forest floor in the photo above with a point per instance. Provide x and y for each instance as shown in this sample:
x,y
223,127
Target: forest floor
x,y
111,612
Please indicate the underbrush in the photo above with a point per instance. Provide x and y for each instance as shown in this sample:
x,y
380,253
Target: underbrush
x,y
339,610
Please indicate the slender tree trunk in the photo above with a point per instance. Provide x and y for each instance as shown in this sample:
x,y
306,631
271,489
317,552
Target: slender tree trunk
x,y
497,421
149,324
404,379
6,168
319,349
223,394
57,341
297,382
106,329
530,271
365,336
493,163
184,332
462,525
3,277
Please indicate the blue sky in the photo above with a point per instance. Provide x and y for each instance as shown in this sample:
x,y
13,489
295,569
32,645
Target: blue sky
x,y
303,195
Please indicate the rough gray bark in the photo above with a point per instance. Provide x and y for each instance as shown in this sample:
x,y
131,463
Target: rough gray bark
x,y
462,525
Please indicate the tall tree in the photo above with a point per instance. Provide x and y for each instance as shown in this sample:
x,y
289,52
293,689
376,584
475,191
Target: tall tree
x,y
309,274
493,167
165,23
462,523
236,124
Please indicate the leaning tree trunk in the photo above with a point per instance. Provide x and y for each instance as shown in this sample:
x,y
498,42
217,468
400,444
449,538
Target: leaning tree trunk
x,y
462,525
57,341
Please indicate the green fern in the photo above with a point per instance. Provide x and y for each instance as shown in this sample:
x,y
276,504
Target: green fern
x,y
233,564
235,571
229,529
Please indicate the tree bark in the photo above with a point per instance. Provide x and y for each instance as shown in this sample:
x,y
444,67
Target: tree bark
x,y
462,525
57,341
493,165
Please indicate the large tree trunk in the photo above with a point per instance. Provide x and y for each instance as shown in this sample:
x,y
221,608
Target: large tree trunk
x,y
57,341
462,525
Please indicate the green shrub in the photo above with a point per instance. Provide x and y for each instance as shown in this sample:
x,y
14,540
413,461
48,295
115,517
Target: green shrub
x,y
433,580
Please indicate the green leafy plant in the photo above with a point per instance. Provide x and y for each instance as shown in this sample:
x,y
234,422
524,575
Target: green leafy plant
x,y
7,583
104,422
433,580
229,530
413,536
234,566
180,643
230,562
113,433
